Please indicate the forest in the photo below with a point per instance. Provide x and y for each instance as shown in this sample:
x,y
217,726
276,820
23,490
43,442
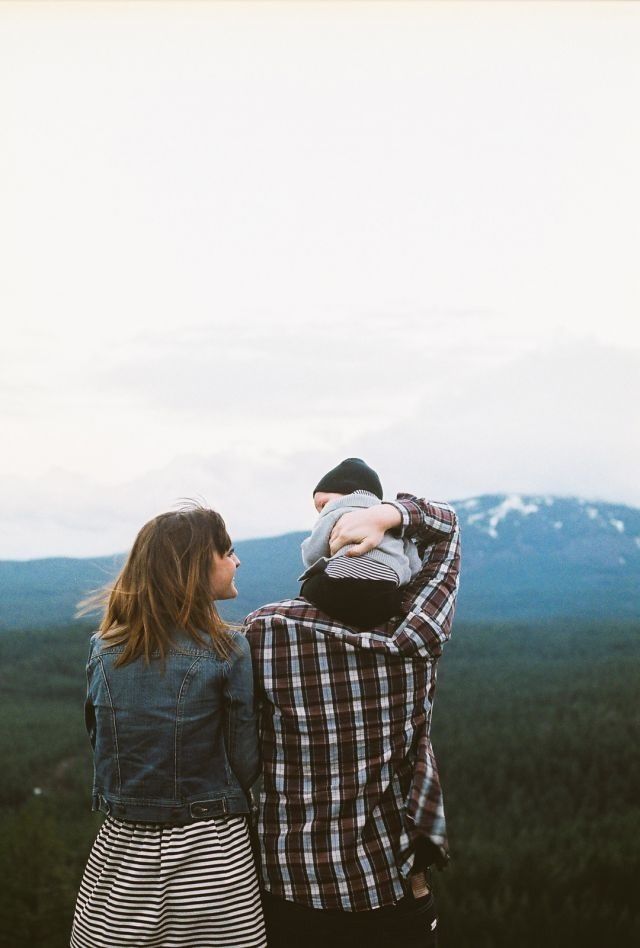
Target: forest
x,y
535,730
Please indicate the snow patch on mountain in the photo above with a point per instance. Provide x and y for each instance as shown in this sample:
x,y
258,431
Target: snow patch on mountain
x,y
468,504
568,518
514,503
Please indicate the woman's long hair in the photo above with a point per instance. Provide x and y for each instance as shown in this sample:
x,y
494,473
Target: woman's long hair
x,y
164,585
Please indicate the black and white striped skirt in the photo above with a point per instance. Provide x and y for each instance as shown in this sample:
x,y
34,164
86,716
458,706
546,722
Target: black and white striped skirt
x,y
161,886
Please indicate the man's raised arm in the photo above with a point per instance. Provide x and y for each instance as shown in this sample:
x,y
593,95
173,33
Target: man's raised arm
x,y
429,599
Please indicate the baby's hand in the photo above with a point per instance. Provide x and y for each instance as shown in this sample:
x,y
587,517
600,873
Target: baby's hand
x,y
363,528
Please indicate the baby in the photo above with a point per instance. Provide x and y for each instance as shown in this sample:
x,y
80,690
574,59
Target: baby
x,y
362,591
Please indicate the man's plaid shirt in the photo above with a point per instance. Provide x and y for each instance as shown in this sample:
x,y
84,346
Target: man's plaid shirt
x,y
350,779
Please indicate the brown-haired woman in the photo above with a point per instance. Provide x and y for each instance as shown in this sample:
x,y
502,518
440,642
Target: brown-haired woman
x,y
169,712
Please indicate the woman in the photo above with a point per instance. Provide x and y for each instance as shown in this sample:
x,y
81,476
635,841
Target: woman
x,y
169,713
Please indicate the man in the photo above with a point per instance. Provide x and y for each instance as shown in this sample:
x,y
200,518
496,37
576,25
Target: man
x,y
351,799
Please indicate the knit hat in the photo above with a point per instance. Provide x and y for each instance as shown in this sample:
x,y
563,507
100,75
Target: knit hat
x,y
351,474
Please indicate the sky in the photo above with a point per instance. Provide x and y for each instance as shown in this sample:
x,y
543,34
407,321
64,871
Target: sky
x,y
242,241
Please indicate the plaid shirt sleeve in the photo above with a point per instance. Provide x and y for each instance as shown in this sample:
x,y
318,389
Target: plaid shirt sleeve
x,y
430,602
429,599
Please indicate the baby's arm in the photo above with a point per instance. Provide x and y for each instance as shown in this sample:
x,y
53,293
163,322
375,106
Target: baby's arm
x,y
317,545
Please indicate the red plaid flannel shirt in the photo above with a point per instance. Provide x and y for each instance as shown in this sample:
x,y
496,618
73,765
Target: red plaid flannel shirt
x,y
350,779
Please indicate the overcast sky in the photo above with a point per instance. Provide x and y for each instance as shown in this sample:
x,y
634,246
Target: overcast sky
x,y
241,241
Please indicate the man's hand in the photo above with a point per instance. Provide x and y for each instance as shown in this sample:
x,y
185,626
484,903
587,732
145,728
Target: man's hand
x,y
364,528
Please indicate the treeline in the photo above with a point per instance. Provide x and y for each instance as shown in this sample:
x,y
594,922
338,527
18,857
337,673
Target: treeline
x,y
535,730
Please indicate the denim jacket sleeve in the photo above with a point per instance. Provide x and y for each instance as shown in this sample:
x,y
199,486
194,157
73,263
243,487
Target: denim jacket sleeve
x,y
241,735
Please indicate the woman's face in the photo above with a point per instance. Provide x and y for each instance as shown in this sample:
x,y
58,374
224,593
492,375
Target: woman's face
x,y
223,571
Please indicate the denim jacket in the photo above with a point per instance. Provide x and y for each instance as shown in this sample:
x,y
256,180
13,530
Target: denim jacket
x,y
172,745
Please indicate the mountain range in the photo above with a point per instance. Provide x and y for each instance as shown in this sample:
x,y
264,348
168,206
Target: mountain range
x,y
524,558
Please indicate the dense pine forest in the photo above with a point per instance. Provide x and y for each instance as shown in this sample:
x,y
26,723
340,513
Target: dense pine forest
x,y
535,729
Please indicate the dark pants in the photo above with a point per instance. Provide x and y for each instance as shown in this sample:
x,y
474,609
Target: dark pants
x,y
363,603
412,923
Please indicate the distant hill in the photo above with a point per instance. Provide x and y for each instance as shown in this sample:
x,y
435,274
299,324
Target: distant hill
x,y
524,557
530,557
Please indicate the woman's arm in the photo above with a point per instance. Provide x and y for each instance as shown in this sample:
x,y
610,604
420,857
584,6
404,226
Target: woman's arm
x,y
241,735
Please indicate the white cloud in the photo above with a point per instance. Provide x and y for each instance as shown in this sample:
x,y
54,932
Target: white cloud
x,y
237,236
553,421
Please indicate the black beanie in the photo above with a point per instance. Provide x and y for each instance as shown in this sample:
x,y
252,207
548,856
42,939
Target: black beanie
x,y
351,474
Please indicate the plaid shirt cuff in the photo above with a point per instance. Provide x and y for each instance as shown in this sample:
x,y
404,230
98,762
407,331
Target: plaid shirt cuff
x,y
404,513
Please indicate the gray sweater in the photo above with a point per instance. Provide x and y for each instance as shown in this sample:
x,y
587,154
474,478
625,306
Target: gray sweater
x,y
398,554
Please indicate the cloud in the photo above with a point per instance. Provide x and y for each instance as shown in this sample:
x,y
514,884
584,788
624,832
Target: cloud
x,y
63,514
557,420
364,366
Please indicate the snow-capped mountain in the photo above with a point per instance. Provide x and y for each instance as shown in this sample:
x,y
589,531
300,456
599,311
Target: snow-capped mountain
x,y
488,512
528,556
524,558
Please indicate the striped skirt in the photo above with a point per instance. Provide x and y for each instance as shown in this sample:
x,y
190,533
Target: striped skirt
x,y
161,886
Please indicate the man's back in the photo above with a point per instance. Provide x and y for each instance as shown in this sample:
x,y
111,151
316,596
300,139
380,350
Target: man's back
x,y
344,718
